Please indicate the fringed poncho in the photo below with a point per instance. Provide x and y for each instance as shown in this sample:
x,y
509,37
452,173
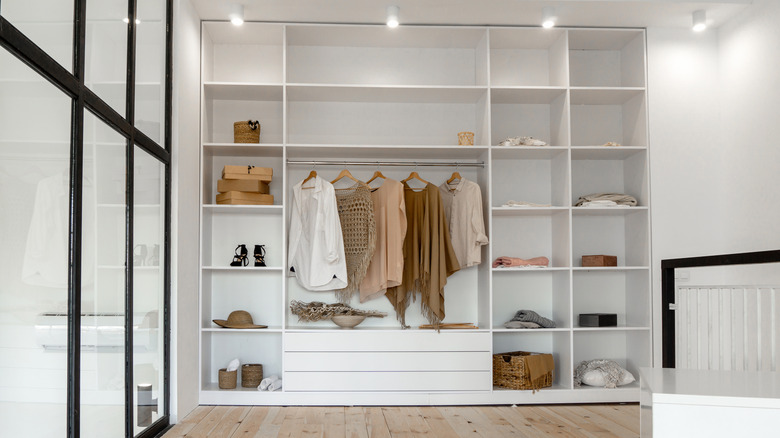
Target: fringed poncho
x,y
428,256
356,214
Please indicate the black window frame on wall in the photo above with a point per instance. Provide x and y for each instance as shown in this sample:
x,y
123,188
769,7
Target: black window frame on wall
x,y
83,99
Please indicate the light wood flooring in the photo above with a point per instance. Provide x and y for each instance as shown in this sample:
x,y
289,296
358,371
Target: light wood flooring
x,y
591,421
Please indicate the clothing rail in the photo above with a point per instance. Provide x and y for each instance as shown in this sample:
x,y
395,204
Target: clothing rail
x,y
387,163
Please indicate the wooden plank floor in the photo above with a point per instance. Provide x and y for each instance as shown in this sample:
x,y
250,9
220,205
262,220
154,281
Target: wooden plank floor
x,y
589,421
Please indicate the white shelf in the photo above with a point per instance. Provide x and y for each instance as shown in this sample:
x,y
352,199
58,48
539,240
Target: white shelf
x,y
243,209
243,149
527,152
550,269
526,95
605,152
535,330
610,329
604,95
528,211
607,211
408,153
243,91
270,329
385,93
610,268
249,268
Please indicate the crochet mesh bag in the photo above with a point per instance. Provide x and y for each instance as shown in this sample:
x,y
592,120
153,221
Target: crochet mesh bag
x,y
356,214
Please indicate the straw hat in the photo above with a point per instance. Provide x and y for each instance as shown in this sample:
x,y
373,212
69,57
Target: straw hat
x,y
239,319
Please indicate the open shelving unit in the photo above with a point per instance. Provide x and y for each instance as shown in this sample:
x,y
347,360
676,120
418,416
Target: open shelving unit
x,y
367,93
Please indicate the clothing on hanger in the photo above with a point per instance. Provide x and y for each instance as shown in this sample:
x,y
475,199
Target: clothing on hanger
x,y
316,246
358,227
387,263
462,201
428,256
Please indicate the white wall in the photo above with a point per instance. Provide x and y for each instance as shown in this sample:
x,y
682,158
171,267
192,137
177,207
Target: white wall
x,y
186,162
713,105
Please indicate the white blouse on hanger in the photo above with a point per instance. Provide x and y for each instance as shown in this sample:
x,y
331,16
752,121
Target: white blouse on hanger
x,y
463,207
316,248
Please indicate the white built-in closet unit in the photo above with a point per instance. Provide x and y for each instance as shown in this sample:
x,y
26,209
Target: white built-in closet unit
x,y
369,93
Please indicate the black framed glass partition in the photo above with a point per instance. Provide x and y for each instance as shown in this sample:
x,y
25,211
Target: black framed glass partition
x,y
85,139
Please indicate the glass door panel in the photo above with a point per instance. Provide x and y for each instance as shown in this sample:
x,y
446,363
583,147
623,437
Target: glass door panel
x,y
34,193
148,289
103,253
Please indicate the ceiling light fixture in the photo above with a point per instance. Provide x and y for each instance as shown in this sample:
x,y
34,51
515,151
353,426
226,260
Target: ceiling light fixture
x,y
699,20
127,20
237,15
392,16
548,17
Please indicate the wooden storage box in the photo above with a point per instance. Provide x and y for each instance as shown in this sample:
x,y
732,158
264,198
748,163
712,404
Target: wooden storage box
x,y
242,185
599,260
248,172
514,370
598,320
244,198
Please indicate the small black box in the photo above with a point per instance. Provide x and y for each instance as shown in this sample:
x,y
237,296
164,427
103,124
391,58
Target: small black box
x,y
598,319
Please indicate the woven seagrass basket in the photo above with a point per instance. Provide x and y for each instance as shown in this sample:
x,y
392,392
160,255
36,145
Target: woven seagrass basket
x,y
510,371
246,131
251,375
466,138
227,379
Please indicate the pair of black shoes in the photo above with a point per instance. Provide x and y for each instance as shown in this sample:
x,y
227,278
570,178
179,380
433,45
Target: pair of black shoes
x,y
242,256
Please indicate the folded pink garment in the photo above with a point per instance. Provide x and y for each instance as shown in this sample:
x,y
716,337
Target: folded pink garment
x,y
509,262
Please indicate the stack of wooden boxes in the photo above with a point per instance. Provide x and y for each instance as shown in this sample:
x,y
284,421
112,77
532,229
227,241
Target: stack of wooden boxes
x,y
246,185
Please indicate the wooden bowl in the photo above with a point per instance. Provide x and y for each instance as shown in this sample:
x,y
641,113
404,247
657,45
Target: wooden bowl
x,y
347,321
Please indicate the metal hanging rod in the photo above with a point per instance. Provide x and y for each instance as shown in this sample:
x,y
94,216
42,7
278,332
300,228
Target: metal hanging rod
x,y
387,163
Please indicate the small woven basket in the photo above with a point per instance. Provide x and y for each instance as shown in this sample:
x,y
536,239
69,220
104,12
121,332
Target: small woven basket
x,y
251,375
466,138
246,131
227,379
510,371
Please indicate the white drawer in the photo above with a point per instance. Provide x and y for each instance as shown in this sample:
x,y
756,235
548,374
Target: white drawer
x,y
388,361
388,381
401,340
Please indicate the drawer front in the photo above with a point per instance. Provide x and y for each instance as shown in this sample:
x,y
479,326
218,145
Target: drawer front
x,y
388,361
388,381
407,340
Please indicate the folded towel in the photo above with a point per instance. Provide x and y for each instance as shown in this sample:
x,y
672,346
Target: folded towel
x,y
266,383
531,316
617,198
276,385
521,325
512,262
233,365
524,204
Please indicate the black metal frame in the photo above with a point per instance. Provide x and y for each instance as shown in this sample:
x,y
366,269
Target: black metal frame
x,y
667,288
83,98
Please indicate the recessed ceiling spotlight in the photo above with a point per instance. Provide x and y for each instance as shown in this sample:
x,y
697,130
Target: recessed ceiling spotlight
x,y
392,16
699,20
548,17
237,15
127,20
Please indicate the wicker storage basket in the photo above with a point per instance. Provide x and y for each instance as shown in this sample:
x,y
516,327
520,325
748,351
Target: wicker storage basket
x,y
511,371
246,131
251,375
466,138
227,379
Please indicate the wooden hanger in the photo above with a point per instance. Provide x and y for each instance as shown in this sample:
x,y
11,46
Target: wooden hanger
x,y
377,174
455,176
344,173
415,175
312,174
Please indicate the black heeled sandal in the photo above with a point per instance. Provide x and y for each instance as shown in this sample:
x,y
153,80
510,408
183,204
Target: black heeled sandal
x,y
259,255
242,257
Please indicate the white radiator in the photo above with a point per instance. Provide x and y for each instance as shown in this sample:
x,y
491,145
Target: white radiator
x,y
727,327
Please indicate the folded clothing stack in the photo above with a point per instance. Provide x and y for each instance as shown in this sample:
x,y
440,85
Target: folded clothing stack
x,y
529,319
606,200
515,262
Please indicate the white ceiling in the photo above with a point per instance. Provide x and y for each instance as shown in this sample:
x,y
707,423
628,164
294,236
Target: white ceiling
x,y
619,13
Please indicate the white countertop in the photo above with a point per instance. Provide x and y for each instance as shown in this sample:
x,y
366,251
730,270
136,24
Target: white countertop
x,y
715,388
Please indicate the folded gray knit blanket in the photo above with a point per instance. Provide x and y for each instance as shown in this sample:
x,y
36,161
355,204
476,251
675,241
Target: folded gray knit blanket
x,y
611,370
531,316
